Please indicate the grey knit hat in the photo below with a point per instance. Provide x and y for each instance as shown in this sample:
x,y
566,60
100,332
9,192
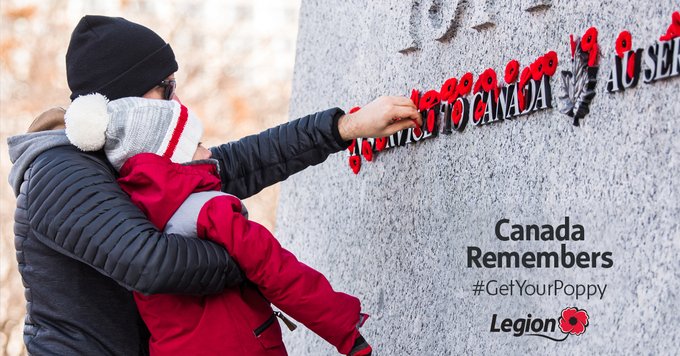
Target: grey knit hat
x,y
129,126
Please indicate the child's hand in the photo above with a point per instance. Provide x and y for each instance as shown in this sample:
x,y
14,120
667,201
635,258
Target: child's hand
x,y
379,118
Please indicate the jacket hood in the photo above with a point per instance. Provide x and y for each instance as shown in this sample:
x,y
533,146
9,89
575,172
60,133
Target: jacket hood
x,y
23,149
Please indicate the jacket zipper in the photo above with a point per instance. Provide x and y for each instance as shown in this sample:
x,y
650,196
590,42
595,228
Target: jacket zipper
x,y
260,329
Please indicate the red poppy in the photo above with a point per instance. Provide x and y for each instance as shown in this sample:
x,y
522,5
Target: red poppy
x,y
464,85
415,96
538,68
479,110
367,150
448,91
631,65
550,65
624,43
524,78
491,82
573,321
417,131
457,113
673,30
521,100
572,44
380,143
354,109
430,120
592,56
429,100
352,146
511,71
479,83
355,163
589,39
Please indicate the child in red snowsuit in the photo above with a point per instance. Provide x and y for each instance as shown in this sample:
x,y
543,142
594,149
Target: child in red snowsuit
x,y
145,139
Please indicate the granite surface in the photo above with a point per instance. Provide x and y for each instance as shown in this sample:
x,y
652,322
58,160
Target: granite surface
x,y
397,234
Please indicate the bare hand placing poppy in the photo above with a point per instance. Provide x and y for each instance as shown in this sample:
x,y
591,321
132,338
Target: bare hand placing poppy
x,y
377,118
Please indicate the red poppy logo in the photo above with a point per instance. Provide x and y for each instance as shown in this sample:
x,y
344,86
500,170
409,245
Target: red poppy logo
x,y
624,43
573,321
673,30
511,71
355,163
550,63
464,85
448,91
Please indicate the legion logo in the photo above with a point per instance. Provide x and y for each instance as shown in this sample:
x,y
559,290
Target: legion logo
x,y
572,321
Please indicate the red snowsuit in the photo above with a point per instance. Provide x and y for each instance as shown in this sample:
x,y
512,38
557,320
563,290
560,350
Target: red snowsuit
x,y
237,321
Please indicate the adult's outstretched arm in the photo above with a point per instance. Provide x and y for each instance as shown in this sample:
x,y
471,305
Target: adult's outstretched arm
x,y
76,207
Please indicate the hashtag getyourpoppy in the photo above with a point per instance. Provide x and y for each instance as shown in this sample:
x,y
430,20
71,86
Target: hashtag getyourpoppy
x,y
429,100
538,68
573,321
457,113
355,163
624,43
367,150
448,91
511,71
464,85
589,39
550,63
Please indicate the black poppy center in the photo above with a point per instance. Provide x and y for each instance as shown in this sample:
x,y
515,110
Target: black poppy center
x,y
551,63
466,82
624,44
489,80
589,38
573,320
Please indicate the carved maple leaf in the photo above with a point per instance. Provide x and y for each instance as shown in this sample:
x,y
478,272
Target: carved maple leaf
x,y
578,85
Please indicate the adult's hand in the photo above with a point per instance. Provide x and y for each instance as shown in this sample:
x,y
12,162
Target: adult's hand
x,y
379,118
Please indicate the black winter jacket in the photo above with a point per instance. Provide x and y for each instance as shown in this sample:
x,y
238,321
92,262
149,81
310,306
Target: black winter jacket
x,y
82,246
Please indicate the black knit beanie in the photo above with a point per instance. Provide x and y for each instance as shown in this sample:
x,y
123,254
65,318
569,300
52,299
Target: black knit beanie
x,y
116,57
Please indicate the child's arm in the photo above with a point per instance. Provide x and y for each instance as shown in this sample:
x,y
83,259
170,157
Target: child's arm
x,y
297,289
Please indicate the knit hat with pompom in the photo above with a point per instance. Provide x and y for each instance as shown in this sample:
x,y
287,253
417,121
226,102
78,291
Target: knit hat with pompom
x,y
129,126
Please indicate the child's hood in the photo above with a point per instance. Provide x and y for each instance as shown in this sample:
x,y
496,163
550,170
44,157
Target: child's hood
x,y
156,184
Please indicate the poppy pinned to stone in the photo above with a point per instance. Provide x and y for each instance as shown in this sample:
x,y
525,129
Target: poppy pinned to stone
x,y
589,39
415,96
457,113
511,71
624,43
538,68
550,63
464,85
480,108
355,163
429,100
380,143
448,90
367,150
673,30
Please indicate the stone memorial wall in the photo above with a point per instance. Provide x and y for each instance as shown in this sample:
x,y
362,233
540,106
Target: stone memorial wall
x,y
535,212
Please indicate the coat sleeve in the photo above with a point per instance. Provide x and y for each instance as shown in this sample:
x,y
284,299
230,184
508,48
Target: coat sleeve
x,y
297,289
258,161
76,208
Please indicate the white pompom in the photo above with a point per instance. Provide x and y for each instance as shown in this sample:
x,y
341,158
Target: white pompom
x,y
86,121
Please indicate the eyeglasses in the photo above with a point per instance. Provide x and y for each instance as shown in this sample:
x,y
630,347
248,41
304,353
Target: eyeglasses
x,y
169,86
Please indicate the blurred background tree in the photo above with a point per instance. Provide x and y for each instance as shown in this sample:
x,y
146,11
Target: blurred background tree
x,y
235,68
